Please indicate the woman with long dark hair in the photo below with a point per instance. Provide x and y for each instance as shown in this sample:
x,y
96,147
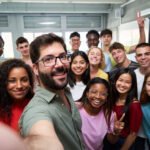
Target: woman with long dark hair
x,y
79,74
124,96
16,89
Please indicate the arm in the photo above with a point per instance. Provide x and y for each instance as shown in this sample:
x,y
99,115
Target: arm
x,y
129,141
140,21
135,119
112,138
42,136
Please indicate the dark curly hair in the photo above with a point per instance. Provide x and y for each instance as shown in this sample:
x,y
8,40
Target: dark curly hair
x,y
6,101
107,107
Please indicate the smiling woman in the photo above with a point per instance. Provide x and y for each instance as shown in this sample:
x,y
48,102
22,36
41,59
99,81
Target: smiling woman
x,y
79,74
124,101
16,89
96,114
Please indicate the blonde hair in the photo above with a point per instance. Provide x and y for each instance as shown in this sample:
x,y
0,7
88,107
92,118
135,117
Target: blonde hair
x,y
102,63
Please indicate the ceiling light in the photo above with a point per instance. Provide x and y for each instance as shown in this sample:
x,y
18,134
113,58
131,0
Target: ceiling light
x,y
47,23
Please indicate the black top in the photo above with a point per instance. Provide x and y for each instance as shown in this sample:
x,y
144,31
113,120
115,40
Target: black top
x,y
133,65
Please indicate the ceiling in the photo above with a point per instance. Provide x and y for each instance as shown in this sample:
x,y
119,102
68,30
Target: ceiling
x,y
67,1
59,6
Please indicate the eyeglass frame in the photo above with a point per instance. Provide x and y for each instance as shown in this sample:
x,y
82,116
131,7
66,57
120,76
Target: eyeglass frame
x,y
68,56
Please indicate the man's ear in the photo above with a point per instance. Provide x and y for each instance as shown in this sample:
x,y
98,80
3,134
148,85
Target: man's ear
x,y
17,49
70,42
35,69
136,57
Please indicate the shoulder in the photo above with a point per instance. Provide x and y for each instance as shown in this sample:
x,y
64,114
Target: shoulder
x,y
135,102
133,65
79,105
35,111
102,74
135,105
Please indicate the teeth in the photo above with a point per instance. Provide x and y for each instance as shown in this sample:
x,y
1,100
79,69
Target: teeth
x,y
96,101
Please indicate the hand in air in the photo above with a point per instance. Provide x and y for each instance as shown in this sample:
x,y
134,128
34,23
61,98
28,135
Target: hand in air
x,y
140,20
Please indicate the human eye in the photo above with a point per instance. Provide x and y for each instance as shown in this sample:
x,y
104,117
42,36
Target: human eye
x,y
104,94
98,54
148,83
92,53
11,81
93,91
82,62
25,79
120,79
74,62
65,57
139,55
147,54
48,59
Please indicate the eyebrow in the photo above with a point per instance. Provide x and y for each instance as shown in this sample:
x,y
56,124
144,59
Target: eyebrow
x,y
140,54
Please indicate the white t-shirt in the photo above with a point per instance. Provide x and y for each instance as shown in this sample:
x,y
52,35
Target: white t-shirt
x,y
140,80
77,90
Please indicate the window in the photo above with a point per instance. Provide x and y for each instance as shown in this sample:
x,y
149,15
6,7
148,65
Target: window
x,y
8,46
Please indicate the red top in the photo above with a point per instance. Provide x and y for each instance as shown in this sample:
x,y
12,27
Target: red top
x,y
16,112
132,119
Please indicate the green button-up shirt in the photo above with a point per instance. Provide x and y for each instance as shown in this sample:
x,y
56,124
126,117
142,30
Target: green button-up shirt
x,y
46,105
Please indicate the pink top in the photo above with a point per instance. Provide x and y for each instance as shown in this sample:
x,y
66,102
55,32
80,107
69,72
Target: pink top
x,y
94,129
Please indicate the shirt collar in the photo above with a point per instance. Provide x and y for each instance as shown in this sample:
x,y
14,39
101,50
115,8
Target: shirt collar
x,y
46,94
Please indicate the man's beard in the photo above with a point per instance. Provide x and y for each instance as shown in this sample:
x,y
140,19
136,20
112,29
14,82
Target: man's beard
x,y
49,82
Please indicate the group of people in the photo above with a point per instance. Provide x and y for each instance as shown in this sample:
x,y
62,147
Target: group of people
x,y
79,102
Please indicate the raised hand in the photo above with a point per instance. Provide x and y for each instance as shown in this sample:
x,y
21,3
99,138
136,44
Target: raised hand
x,y
140,20
118,124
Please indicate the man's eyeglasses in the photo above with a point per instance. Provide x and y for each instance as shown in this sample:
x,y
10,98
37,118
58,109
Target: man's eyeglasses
x,y
50,60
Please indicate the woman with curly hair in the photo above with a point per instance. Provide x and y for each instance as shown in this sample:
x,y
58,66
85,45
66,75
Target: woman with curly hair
x,y
16,90
98,119
97,63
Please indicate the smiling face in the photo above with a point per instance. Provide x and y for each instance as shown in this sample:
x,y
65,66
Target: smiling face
x,y
147,86
92,40
118,55
79,65
124,83
106,39
23,48
18,84
54,76
75,43
97,95
143,56
95,56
